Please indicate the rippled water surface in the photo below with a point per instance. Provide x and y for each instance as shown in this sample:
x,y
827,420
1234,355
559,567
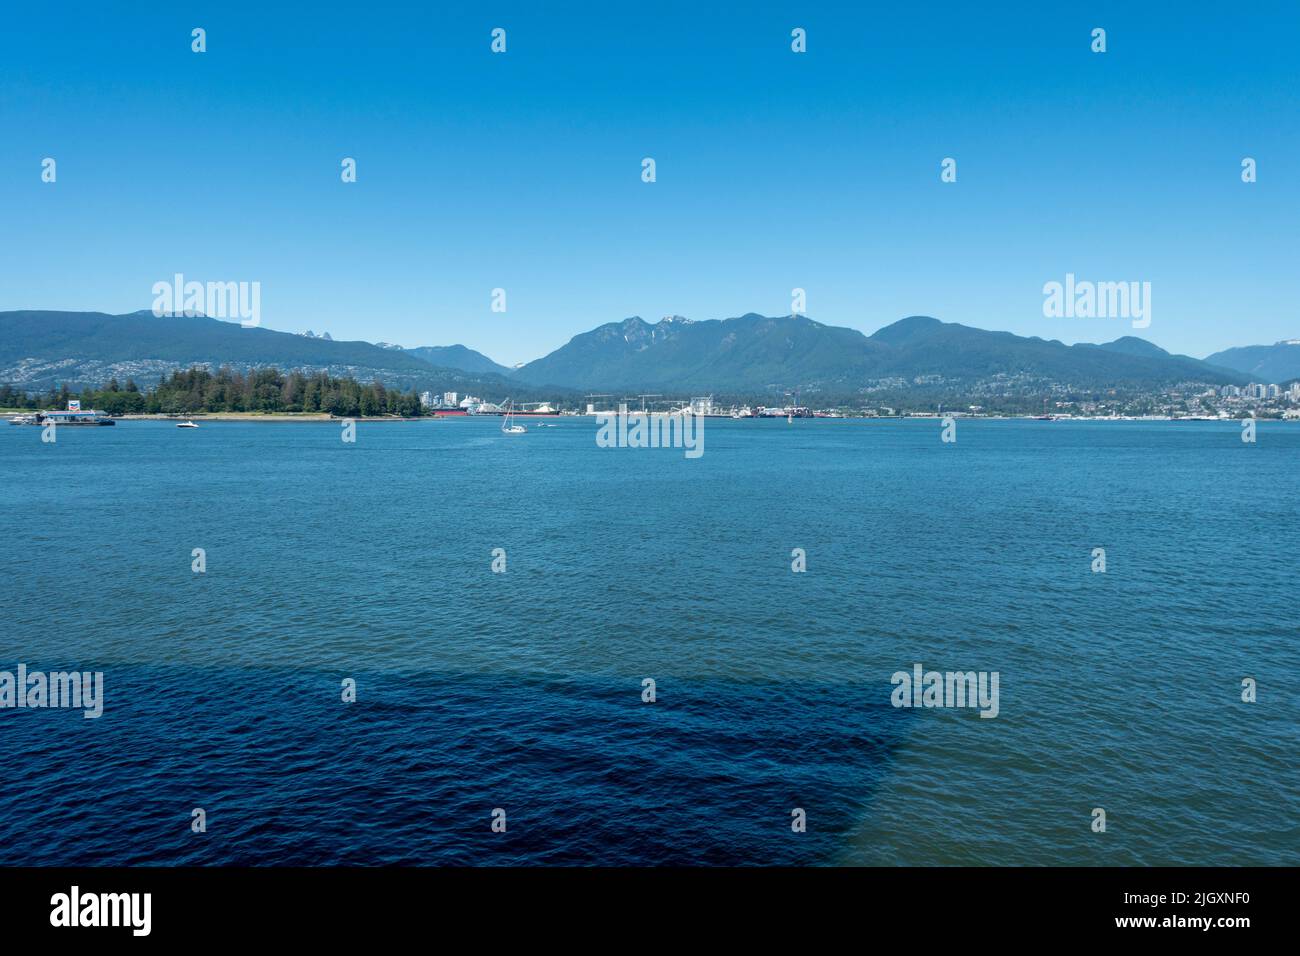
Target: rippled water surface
x,y
522,690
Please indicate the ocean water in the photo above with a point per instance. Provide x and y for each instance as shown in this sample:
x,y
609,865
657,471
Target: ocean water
x,y
522,691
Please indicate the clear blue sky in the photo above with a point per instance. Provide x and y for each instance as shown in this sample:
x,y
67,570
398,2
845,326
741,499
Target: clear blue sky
x,y
775,170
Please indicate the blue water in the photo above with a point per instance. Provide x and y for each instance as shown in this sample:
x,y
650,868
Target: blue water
x,y
522,690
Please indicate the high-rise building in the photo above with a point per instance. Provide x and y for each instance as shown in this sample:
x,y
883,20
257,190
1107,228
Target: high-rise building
x,y
449,399
426,399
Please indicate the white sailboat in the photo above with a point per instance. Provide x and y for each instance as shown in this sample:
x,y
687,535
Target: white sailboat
x,y
508,426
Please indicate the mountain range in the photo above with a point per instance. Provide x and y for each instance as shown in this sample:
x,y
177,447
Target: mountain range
x,y
763,353
748,355
40,350
457,356
1278,363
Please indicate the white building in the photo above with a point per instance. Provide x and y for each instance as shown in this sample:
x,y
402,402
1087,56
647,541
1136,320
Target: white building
x,y
426,399
449,399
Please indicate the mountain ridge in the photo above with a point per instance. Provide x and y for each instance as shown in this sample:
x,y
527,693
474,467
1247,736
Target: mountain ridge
x,y
1276,363
750,354
44,348
757,352
457,356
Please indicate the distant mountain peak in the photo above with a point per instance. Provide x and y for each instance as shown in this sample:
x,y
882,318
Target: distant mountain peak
x,y
1132,345
918,322
458,357
907,328
182,314
1279,362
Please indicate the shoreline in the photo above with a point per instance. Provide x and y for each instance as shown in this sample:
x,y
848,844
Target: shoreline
x,y
324,417
263,417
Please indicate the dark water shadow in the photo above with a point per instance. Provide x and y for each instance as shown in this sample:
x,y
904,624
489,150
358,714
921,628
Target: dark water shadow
x,y
410,774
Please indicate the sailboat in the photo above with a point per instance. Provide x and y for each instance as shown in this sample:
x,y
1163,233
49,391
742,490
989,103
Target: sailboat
x,y
508,426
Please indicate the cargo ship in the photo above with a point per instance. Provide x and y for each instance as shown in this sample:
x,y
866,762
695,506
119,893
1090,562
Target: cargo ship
x,y
478,411
526,413
537,410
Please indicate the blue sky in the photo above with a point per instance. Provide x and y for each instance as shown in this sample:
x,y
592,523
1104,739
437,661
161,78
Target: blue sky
x,y
775,170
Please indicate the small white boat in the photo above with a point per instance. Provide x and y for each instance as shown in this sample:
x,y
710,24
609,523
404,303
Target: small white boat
x,y
508,426
186,425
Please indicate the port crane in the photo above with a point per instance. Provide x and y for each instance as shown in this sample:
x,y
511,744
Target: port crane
x,y
591,395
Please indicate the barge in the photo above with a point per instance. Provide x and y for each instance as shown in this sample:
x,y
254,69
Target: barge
x,y
75,417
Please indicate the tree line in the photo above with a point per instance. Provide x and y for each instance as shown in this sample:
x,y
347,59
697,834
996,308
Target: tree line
x,y
260,390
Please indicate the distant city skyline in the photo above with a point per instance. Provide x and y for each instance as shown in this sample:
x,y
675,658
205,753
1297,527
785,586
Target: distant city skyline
x,y
774,170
